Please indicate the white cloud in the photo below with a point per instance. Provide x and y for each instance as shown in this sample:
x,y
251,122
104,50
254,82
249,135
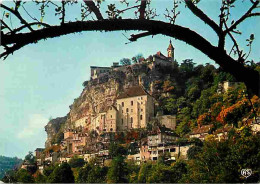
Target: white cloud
x,y
34,127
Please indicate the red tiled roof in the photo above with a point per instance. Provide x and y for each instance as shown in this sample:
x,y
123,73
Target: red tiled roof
x,y
223,129
132,92
202,129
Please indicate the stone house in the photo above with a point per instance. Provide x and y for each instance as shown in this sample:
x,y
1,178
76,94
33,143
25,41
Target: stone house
x,y
161,136
222,133
255,125
144,150
201,131
135,108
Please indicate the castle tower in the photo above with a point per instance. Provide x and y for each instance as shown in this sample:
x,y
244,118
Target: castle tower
x,y
170,51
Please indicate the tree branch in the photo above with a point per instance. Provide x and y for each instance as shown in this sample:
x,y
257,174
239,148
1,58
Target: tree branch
x,y
246,15
235,43
135,37
17,14
242,73
196,11
142,9
91,5
6,26
30,24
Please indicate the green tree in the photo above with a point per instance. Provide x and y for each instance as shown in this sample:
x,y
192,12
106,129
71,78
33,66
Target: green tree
x,y
24,176
48,170
144,172
76,161
39,178
61,174
116,150
193,152
117,173
138,58
125,61
30,158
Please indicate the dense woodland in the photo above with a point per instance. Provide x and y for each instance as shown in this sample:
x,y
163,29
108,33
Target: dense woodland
x,y
193,94
7,163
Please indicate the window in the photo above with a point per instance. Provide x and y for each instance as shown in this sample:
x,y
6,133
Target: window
x,y
122,111
123,104
131,110
111,116
132,103
141,117
131,119
141,110
122,121
172,150
141,98
126,109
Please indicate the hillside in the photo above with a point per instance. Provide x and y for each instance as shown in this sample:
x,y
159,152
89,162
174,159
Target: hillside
x,y
182,89
7,163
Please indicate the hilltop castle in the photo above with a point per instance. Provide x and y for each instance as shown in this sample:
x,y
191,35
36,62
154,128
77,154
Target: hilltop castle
x,y
97,71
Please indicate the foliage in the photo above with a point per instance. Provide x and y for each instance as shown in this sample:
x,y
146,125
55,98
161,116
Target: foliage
x,y
193,152
117,172
24,176
92,174
30,158
125,61
7,163
116,150
61,174
222,161
76,162
48,170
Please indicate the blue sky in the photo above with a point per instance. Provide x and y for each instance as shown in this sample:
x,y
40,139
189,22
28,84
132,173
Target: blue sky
x,y
41,80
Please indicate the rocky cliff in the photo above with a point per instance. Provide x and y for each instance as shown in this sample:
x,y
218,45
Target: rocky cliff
x,y
103,91
52,128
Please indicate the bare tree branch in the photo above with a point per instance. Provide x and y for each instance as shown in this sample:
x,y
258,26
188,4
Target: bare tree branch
x,y
121,11
235,43
30,24
5,25
93,8
246,15
199,13
17,14
142,9
135,37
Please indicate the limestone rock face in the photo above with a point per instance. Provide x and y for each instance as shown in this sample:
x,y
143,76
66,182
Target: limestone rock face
x,y
52,129
103,91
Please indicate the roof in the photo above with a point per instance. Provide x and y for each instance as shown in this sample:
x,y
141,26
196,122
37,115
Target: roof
x,y
202,129
39,149
160,55
104,67
132,92
223,129
161,129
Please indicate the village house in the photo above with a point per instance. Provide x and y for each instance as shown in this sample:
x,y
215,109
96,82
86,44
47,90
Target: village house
x,y
255,125
201,131
222,133
38,153
135,108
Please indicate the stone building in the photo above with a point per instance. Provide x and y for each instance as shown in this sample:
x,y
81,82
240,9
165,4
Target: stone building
x,y
97,71
135,108
201,132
